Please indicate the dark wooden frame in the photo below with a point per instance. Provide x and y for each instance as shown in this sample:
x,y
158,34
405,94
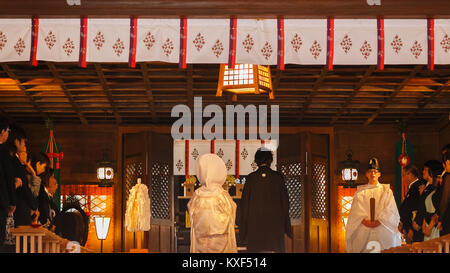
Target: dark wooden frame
x,y
121,130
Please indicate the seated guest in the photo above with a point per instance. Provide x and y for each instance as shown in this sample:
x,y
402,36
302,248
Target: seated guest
x,y
408,208
47,208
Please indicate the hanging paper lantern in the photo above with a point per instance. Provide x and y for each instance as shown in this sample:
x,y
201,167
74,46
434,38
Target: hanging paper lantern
x,y
404,160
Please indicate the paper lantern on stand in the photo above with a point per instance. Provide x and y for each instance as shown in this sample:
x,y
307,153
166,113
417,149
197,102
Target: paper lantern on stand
x,y
138,213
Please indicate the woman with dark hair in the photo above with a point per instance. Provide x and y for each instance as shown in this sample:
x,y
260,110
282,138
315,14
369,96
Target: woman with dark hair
x,y
427,218
39,164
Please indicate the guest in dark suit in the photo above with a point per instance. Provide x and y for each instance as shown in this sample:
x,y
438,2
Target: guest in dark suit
x,y
47,208
26,203
410,204
444,206
4,183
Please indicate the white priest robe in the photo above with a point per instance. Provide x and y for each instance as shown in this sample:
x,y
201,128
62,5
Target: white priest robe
x,y
212,211
360,238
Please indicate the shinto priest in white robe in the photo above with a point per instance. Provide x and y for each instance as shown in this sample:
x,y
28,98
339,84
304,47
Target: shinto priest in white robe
x,y
386,234
212,211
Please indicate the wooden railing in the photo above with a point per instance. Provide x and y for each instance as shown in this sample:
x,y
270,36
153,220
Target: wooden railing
x,y
438,245
41,240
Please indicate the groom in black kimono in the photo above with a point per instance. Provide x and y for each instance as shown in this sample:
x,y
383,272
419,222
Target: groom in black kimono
x,y
264,210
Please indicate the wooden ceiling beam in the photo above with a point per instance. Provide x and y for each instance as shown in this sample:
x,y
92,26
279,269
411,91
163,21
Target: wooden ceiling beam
x,y
367,74
430,99
32,101
313,93
107,92
411,75
149,92
69,96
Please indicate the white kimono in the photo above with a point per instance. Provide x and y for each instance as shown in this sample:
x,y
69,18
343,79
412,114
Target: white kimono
x,y
212,211
360,238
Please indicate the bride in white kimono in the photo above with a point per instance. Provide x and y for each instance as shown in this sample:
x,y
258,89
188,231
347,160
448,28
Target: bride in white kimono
x,y
363,235
212,211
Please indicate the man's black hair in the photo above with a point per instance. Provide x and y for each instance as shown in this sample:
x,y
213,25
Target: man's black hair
x,y
263,157
17,133
413,170
434,167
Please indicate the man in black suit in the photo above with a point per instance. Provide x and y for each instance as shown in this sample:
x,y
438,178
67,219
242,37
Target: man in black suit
x,y
264,210
47,207
6,190
410,204
444,206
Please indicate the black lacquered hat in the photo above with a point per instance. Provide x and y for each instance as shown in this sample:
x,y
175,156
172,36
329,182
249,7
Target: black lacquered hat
x,y
373,164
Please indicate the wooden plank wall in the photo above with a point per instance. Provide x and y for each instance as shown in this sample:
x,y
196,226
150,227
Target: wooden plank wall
x,y
82,147
379,142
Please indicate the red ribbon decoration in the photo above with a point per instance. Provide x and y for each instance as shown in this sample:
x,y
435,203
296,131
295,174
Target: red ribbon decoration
x,y
133,37
430,29
183,38
237,158
50,153
232,50
83,42
380,30
187,158
34,40
330,43
280,24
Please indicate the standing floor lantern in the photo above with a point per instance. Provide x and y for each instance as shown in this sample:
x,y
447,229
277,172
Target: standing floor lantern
x,y
101,228
245,79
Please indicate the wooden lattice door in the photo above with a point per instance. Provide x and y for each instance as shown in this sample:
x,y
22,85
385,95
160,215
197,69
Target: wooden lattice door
x,y
161,235
291,163
317,192
134,167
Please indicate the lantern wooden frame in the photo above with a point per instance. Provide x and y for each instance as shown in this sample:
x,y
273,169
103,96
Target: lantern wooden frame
x,y
259,80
